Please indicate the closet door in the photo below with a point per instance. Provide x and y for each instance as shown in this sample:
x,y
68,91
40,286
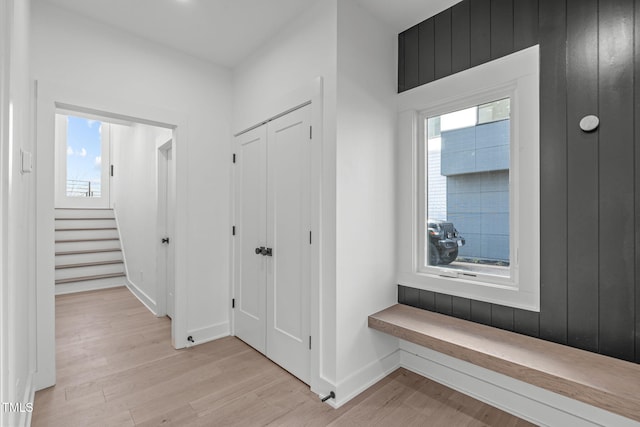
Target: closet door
x,y
288,234
250,268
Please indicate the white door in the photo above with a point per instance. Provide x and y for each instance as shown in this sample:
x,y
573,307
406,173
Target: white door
x,y
82,162
170,217
288,234
272,246
250,267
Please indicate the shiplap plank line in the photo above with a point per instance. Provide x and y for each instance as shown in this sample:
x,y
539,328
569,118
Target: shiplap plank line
x,y
616,180
582,173
553,171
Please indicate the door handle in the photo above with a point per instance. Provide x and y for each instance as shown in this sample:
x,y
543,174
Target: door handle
x,y
165,240
264,251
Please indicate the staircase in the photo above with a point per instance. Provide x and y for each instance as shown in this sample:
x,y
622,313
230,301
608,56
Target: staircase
x,y
88,251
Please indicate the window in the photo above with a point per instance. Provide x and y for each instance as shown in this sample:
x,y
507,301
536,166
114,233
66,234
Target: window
x,y
466,176
82,160
84,157
469,204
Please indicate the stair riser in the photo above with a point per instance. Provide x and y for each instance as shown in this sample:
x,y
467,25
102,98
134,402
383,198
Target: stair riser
x,y
89,223
89,285
85,246
80,224
86,234
94,257
68,273
84,213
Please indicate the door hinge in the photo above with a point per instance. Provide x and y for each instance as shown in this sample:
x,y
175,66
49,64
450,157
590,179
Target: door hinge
x,y
233,230
111,170
310,132
233,303
234,157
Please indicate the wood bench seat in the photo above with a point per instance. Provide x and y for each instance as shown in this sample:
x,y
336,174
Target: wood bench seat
x,y
601,381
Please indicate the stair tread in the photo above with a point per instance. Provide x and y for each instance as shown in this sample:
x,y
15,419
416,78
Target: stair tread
x,y
84,216
88,251
89,264
85,219
86,229
85,278
101,239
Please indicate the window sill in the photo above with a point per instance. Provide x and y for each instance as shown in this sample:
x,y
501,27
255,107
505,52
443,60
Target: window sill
x,y
498,292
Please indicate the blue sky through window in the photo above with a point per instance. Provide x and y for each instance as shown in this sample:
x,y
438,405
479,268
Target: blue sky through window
x,y
84,154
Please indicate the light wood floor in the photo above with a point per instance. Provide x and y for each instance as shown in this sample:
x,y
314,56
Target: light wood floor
x,y
115,366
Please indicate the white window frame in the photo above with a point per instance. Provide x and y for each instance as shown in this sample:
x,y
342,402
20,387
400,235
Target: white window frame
x,y
515,76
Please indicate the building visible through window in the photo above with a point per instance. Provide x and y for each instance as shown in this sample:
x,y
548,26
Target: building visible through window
x,y
467,214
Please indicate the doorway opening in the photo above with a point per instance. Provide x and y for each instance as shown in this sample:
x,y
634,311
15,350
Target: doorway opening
x,y
123,177
111,204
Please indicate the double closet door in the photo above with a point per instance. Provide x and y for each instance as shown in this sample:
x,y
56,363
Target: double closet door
x,y
273,240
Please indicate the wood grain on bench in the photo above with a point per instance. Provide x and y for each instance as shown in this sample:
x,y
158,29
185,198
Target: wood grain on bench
x,y
601,381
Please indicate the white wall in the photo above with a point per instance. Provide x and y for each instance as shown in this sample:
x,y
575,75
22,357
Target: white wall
x,y
303,50
134,197
300,52
17,253
365,195
354,53
69,50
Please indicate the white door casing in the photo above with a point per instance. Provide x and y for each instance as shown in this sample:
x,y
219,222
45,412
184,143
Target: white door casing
x,y
166,194
170,252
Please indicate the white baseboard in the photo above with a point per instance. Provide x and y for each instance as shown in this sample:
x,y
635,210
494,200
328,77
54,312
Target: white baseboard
x,y
142,296
209,333
72,288
534,404
537,405
364,378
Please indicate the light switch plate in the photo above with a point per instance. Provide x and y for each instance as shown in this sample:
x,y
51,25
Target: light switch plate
x,y
27,161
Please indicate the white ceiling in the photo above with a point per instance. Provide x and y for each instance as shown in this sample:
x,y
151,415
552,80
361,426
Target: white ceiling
x,y
226,31
403,14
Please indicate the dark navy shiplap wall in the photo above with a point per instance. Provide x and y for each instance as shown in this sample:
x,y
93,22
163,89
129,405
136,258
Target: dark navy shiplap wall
x,y
590,182
468,34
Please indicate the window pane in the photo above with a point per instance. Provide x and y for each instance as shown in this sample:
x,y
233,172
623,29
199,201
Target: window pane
x,y
494,111
467,185
84,157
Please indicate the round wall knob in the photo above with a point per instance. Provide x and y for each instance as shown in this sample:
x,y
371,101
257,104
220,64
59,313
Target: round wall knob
x,y
589,123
